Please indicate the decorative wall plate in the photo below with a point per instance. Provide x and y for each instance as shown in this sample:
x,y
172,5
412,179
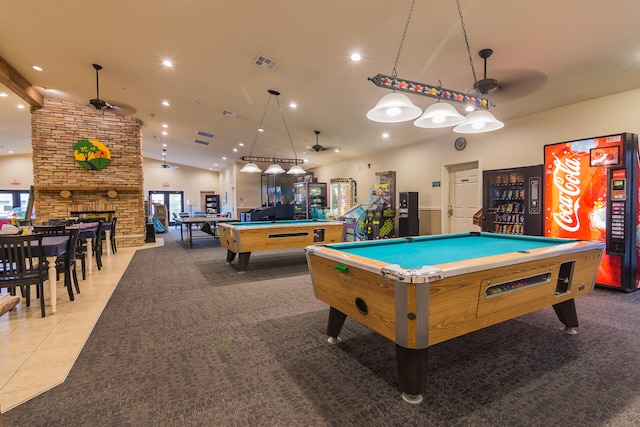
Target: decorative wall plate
x,y
91,154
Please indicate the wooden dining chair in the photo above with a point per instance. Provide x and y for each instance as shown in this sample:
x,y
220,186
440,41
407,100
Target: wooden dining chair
x,y
50,230
66,264
23,264
112,237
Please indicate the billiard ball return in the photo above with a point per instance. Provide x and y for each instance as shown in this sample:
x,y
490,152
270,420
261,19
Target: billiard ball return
x,y
417,308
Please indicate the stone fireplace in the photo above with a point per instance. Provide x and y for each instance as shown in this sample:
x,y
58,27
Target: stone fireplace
x,y
62,186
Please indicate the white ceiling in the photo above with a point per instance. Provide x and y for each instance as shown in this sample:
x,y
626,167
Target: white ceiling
x,y
546,54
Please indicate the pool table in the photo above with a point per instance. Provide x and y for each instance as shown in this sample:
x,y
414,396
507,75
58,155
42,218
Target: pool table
x,y
242,238
424,290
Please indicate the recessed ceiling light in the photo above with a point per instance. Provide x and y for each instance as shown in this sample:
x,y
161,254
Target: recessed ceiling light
x,y
385,135
224,158
164,132
3,94
165,103
35,67
167,63
241,144
260,130
164,125
20,106
293,105
355,57
235,150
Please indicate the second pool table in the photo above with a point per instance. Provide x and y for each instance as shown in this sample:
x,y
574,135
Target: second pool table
x,y
242,238
421,291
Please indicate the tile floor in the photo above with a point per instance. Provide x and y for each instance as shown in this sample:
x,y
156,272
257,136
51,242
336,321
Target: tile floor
x,y
36,354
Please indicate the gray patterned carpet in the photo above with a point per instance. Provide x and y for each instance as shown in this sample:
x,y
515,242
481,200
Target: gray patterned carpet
x,y
185,344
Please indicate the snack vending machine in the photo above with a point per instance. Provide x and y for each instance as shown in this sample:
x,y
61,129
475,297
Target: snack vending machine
x,y
512,200
591,192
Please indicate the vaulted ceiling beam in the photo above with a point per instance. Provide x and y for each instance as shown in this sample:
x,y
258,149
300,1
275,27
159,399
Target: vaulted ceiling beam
x,y
16,82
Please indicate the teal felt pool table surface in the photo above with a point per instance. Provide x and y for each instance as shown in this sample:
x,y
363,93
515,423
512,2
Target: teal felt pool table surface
x,y
416,252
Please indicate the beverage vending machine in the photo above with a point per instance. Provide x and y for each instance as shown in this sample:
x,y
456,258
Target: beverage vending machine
x,y
591,192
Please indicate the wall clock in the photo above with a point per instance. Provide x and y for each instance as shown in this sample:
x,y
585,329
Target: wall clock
x,y
460,143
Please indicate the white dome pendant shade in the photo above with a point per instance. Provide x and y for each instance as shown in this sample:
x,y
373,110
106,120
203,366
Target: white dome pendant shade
x,y
250,167
439,115
296,170
479,121
274,169
394,108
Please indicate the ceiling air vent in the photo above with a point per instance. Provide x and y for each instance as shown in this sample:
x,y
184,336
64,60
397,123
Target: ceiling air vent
x,y
199,141
205,134
267,63
228,113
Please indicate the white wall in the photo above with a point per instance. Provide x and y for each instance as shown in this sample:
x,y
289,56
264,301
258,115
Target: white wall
x,y
190,180
18,167
519,143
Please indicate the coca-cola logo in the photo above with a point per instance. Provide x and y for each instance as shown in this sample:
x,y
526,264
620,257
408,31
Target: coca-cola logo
x,y
566,179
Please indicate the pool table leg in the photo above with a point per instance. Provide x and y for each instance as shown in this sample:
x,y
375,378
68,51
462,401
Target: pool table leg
x,y
412,370
566,312
230,256
334,326
243,261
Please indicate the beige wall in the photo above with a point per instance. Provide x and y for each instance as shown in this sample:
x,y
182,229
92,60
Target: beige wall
x,y
18,166
519,143
189,180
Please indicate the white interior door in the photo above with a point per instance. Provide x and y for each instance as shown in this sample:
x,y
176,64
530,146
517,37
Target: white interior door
x,y
464,197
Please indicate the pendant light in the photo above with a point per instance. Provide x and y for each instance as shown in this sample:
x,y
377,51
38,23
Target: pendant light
x,y
479,121
274,168
397,107
394,107
439,115
251,168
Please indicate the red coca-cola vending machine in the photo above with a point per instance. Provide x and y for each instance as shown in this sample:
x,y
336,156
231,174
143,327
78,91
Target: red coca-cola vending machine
x,y
592,192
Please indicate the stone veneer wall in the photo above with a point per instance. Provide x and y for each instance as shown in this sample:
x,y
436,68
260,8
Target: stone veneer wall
x,y
62,185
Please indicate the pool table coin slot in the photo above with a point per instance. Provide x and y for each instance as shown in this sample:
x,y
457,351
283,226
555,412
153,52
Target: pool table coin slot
x,y
565,275
514,285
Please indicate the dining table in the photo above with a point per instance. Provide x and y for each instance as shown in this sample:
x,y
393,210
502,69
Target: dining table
x,y
52,248
88,231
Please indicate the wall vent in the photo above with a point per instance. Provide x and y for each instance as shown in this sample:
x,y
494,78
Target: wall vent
x,y
205,134
267,63
199,141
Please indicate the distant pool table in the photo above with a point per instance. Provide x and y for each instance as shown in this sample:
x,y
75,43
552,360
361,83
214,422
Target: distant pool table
x,y
242,238
421,291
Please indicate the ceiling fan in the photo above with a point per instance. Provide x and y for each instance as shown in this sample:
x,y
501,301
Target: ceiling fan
x,y
512,84
318,148
100,104
164,161
485,85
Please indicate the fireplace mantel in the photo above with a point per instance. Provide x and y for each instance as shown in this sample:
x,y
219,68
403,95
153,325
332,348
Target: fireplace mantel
x,y
85,187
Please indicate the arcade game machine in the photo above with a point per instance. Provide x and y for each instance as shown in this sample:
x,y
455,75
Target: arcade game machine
x,y
342,196
379,222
